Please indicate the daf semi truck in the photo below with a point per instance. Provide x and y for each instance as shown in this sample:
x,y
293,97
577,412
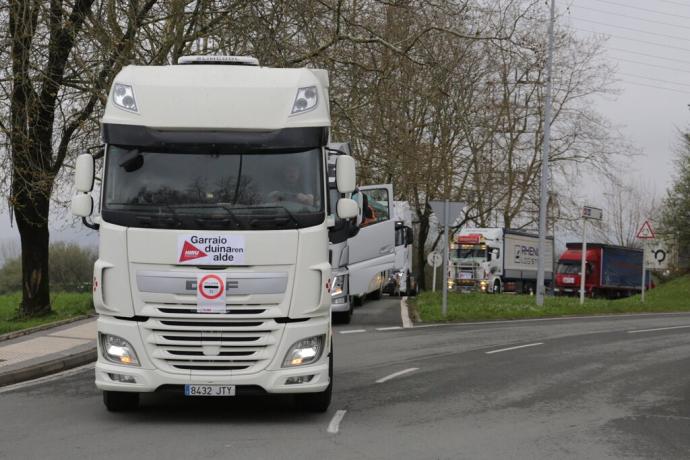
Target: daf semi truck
x,y
498,260
213,274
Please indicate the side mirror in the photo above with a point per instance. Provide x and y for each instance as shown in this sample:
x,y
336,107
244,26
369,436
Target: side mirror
x,y
347,208
84,173
345,175
82,205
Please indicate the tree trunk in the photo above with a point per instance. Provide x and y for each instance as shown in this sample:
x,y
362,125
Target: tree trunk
x,y
423,233
32,223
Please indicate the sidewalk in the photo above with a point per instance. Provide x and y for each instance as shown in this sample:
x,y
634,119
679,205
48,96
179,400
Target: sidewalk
x,y
47,351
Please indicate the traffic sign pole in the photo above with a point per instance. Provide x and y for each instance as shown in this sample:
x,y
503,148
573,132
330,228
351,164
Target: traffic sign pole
x,y
643,276
446,251
583,271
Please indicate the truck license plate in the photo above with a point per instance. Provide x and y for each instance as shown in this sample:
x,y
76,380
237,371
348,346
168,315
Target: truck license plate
x,y
209,390
568,279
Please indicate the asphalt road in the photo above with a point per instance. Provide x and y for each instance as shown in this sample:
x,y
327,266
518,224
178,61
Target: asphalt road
x,y
599,388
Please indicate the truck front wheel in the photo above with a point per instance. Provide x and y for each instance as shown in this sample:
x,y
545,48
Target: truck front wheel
x,y
318,402
120,401
497,287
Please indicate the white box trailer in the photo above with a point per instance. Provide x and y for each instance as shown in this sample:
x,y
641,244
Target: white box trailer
x,y
498,260
213,274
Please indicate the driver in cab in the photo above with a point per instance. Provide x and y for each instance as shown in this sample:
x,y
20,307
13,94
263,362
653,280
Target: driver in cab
x,y
292,188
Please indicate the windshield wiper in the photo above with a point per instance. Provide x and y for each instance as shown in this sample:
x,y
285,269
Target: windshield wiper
x,y
215,221
172,219
288,218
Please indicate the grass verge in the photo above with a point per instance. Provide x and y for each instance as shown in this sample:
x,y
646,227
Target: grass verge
x,y
66,305
671,296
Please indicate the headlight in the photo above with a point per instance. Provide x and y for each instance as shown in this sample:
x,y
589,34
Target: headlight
x,y
123,97
307,99
338,285
118,350
306,351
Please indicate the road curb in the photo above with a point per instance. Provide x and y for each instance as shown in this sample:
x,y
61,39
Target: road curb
x,y
42,327
48,367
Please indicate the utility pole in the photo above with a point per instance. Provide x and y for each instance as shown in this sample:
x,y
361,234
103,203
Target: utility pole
x,y
544,188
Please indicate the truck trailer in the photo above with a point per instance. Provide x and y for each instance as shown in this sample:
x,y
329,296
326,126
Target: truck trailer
x,y
498,260
610,271
213,274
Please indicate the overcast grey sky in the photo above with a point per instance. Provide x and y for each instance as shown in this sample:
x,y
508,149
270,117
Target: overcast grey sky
x,y
648,40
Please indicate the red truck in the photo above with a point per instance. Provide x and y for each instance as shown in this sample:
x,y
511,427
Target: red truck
x,y
610,271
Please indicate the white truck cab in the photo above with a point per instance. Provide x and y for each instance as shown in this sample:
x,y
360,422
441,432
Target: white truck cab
x,y
213,273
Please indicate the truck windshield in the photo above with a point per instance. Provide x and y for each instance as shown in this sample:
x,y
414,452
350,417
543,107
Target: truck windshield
x,y
189,187
568,268
471,254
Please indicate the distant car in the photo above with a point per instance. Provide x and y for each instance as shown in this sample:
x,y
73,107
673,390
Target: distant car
x,y
392,284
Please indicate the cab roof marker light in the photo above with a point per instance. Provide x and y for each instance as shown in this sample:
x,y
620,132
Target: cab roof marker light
x,y
306,100
219,60
123,97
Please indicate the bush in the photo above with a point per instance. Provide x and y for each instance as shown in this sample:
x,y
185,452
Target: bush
x,y
71,269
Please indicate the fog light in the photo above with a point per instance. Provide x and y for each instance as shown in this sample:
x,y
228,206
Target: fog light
x,y
298,380
305,351
122,378
118,350
339,300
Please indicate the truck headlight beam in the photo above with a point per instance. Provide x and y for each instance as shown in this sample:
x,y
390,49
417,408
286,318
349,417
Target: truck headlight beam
x,y
117,350
305,351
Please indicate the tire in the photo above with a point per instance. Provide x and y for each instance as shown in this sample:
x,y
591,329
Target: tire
x,y
497,287
318,402
120,401
343,317
376,295
357,301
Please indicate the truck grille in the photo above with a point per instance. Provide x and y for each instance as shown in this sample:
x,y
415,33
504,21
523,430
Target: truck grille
x,y
211,345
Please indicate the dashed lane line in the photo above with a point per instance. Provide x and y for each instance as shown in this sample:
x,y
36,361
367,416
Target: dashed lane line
x,y
514,348
397,374
392,328
658,329
352,331
334,425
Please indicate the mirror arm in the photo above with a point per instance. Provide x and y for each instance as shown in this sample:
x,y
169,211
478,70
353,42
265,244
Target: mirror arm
x,y
91,225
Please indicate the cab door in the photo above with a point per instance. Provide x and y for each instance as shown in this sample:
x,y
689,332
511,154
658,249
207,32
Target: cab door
x,y
372,250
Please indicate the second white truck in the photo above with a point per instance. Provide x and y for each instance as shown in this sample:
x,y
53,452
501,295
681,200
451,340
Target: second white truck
x,y
497,260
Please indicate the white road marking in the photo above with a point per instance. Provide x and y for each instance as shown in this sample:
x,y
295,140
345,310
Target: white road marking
x,y
397,374
659,329
352,331
47,378
405,313
555,318
393,328
514,348
334,426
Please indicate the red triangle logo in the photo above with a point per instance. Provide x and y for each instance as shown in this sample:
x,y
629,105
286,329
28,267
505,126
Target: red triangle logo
x,y
190,252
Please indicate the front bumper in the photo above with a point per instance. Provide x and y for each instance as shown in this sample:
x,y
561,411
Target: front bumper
x,y
150,377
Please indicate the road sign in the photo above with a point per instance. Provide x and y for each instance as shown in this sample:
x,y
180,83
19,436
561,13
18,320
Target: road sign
x,y
646,232
435,259
210,293
588,212
658,255
454,210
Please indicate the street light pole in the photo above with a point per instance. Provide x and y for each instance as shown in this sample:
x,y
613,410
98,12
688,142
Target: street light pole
x,y
543,190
